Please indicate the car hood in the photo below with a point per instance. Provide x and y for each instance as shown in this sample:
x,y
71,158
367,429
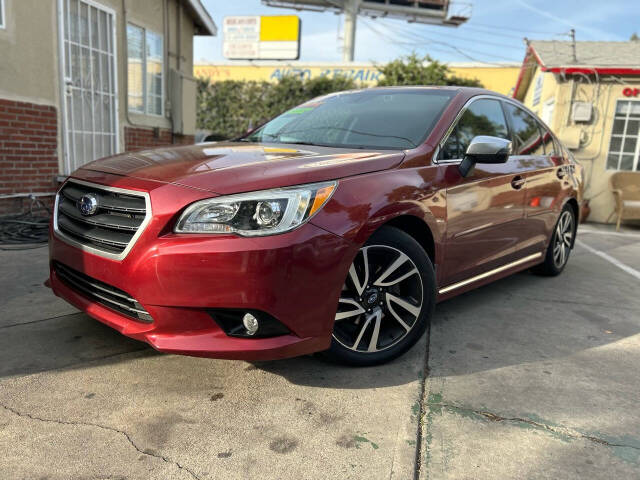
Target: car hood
x,y
225,168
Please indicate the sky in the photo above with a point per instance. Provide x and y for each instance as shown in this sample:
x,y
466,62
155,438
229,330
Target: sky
x,y
493,34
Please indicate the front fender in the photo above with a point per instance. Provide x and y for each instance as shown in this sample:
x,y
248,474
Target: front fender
x,y
363,203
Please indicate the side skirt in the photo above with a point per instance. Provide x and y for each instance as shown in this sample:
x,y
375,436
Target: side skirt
x,y
490,276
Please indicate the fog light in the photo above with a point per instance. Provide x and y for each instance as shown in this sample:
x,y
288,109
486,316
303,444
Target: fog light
x,y
250,323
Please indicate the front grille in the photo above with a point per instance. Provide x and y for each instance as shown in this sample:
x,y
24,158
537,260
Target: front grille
x,y
102,293
112,228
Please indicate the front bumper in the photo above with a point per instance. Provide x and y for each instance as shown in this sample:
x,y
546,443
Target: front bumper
x,y
295,277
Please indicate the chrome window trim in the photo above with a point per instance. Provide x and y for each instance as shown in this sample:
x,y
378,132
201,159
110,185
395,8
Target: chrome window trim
x,y
490,273
114,256
445,137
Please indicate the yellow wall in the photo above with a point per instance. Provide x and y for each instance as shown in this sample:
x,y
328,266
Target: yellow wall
x,y
499,79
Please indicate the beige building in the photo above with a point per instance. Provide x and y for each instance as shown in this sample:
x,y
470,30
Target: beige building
x,y
589,94
83,79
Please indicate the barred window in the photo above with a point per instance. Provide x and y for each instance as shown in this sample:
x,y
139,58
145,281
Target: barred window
x,y
145,71
624,146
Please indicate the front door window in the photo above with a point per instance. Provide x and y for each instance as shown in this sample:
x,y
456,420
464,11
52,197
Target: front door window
x,y
482,117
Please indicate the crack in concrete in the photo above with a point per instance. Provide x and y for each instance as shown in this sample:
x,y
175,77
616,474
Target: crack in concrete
x,y
421,409
66,366
103,427
561,431
40,320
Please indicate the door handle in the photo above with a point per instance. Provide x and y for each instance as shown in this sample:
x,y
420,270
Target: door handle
x,y
517,182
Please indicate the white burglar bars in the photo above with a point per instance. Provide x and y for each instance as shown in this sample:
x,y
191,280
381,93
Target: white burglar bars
x,y
90,91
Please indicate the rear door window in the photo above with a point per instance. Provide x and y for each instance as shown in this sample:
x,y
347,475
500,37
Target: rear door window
x,y
526,132
482,117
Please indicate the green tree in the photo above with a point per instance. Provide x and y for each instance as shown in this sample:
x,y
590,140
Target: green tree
x,y
415,70
634,37
230,108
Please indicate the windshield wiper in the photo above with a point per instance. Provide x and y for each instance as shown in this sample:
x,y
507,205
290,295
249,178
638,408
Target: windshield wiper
x,y
302,142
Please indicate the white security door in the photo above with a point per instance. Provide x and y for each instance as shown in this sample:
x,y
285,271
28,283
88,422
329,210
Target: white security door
x,y
88,61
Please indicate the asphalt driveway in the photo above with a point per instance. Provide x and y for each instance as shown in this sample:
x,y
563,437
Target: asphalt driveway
x,y
527,378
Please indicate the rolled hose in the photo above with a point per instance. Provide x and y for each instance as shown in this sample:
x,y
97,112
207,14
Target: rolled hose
x,y
25,230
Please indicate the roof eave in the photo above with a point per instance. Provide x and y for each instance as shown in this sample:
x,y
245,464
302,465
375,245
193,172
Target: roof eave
x,y
524,77
206,25
588,70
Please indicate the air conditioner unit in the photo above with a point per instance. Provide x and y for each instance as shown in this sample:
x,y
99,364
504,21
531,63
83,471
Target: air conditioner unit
x,y
582,112
183,103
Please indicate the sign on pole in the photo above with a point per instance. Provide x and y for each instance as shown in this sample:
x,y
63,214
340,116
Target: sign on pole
x,y
261,37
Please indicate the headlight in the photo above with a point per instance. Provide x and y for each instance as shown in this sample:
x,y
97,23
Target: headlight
x,y
257,213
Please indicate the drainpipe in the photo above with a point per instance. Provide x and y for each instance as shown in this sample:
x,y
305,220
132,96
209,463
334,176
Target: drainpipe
x,y
126,70
179,34
168,106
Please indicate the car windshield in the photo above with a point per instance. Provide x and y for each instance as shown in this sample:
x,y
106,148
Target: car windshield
x,y
391,119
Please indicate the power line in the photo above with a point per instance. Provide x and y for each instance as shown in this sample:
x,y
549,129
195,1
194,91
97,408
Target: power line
x,y
404,45
492,33
475,40
415,37
421,36
524,30
494,30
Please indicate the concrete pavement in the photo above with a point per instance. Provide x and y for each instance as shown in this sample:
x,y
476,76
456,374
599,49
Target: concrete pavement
x,y
538,377
528,378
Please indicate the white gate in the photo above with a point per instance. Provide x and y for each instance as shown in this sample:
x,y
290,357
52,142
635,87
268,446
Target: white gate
x,y
89,79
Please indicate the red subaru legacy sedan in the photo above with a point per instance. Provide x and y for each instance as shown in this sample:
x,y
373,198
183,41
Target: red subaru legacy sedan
x,y
336,227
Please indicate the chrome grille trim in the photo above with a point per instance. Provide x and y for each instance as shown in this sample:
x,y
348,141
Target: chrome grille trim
x,y
110,233
102,293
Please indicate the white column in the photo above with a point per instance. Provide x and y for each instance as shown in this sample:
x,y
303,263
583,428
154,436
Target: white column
x,y
350,19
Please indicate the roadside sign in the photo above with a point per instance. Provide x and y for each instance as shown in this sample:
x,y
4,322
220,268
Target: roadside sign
x,y
274,37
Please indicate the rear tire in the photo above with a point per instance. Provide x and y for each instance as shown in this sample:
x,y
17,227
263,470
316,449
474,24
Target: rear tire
x,y
386,303
560,245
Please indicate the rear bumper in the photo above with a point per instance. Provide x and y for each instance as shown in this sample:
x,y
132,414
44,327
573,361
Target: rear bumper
x,y
294,277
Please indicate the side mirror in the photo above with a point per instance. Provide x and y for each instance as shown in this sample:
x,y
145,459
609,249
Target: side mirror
x,y
485,149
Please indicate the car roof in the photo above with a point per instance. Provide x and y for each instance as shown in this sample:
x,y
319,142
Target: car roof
x,y
466,92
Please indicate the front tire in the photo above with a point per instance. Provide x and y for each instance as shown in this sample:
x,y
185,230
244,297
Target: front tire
x,y
386,302
560,245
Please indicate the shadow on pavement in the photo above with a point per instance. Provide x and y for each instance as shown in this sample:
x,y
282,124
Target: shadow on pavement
x,y
61,342
313,371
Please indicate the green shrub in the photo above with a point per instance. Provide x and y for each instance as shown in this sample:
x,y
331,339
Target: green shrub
x,y
230,107
414,70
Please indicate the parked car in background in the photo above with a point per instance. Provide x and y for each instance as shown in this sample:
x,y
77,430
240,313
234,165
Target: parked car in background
x,y
335,227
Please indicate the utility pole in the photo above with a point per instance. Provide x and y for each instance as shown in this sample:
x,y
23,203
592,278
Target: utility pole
x,y
350,20
572,33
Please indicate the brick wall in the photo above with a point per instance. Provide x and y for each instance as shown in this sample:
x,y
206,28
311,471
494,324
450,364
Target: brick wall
x,y
29,155
28,152
139,138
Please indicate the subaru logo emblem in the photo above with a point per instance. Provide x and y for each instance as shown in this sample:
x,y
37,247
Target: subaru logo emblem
x,y
87,204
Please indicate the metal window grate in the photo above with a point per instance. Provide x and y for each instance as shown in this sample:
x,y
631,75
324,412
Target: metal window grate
x,y
90,85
